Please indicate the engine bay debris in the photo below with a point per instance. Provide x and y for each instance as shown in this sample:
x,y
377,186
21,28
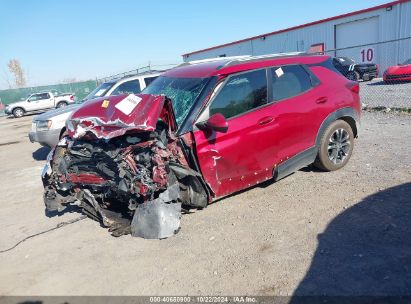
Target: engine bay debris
x,y
127,172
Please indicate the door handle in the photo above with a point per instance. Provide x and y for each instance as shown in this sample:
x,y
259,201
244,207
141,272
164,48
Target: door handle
x,y
265,120
322,100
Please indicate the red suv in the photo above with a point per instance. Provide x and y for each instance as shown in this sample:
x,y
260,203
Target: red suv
x,y
202,131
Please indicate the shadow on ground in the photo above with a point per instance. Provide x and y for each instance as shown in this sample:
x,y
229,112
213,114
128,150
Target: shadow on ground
x,y
41,153
366,250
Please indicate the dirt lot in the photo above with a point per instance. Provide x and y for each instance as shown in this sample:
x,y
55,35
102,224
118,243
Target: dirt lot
x,y
345,233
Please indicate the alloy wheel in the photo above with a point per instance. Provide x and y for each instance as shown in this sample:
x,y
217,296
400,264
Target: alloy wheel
x,y
339,146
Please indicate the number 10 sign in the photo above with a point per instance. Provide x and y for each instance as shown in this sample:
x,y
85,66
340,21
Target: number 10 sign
x,y
367,55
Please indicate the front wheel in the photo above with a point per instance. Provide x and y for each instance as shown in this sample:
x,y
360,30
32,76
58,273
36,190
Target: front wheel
x,y
18,112
337,144
353,76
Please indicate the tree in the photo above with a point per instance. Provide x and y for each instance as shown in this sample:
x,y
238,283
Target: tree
x,y
18,73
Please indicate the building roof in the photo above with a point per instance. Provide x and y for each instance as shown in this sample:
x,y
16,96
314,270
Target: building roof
x,y
301,26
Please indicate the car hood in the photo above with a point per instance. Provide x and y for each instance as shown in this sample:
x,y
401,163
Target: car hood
x,y
114,116
399,69
17,103
56,112
365,65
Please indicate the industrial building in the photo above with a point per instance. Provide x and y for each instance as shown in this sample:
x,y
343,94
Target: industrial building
x,y
380,34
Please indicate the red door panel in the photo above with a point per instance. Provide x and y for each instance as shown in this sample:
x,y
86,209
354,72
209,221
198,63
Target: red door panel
x,y
241,157
298,120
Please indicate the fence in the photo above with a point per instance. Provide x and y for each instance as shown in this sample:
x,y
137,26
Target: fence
x,y
141,70
80,89
377,93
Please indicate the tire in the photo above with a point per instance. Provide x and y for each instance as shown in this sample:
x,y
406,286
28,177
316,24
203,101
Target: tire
x,y
353,75
336,146
61,104
63,133
18,112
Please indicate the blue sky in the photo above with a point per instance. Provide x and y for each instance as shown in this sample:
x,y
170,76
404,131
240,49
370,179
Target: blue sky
x,y
56,40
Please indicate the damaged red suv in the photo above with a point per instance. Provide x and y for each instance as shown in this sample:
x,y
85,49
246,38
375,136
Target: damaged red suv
x,y
199,132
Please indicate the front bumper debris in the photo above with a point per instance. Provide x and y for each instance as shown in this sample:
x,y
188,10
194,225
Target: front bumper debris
x,y
137,183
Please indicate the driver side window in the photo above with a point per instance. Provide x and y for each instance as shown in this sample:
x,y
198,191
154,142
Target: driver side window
x,y
128,88
34,97
241,93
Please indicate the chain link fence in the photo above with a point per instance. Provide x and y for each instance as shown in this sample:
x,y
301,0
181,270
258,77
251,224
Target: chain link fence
x,y
79,89
391,55
141,70
394,94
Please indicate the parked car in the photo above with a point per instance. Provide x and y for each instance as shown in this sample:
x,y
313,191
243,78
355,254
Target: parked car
x,y
200,132
48,127
400,72
355,71
39,102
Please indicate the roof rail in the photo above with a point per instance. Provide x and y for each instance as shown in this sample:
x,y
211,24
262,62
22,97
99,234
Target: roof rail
x,y
233,60
266,56
213,60
142,73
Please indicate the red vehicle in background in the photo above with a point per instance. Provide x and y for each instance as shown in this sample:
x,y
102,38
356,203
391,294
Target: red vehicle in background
x,y
400,72
202,131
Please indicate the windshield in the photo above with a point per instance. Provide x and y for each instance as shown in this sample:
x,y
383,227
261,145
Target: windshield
x,y
345,60
407,61
100,91
182,91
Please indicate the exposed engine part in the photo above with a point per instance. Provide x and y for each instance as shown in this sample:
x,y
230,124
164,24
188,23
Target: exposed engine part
x,y
135,183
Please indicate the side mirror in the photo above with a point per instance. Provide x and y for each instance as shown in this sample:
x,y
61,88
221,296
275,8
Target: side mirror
x,y
216,122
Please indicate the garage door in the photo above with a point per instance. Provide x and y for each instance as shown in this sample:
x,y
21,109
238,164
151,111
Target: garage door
x,y
359,32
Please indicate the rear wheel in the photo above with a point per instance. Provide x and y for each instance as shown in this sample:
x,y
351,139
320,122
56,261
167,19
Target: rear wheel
x,y
61,104
337,144
18,112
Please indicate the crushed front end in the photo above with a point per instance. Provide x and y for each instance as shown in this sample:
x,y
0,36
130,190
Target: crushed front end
x,y
124,167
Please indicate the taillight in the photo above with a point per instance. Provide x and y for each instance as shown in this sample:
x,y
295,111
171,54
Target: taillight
x,y
72,97
353,87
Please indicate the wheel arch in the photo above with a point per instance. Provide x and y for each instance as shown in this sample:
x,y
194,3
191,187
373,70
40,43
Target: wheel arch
x,y
62,101
347,114
18,107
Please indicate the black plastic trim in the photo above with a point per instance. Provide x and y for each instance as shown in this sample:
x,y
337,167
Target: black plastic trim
x,y
344,112
295,163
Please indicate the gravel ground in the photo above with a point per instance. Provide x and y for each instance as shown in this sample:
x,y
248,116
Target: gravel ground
x,y
376,93
342,233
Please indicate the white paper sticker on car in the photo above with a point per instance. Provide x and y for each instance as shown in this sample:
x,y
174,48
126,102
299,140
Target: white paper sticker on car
x,y
279,72
128,104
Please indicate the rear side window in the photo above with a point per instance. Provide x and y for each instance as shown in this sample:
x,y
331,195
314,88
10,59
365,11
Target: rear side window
x,y
289,81
128,87
241,93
